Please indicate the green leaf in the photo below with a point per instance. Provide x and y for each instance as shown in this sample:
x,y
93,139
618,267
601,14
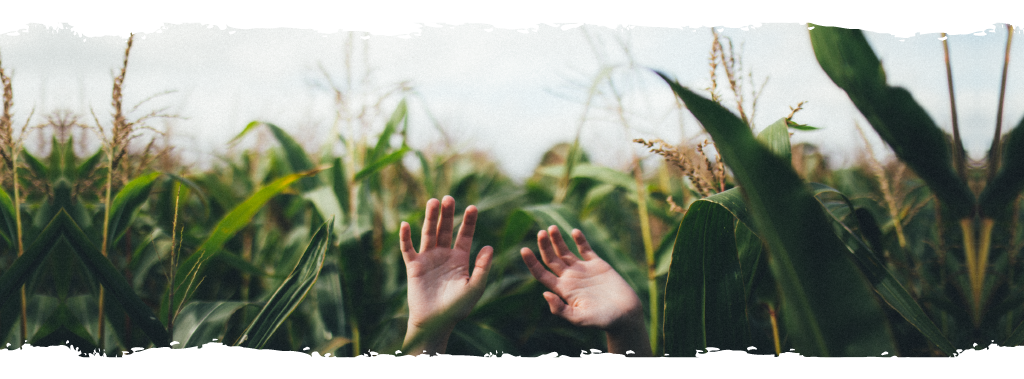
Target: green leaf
x,y
8,225
803,127
848,60
113,281
704,294
384,141
340,185
189,271
828,308
127,201
297,157
325,201
884,283
89,164
999,195
379,164
776,138
288,296
203,321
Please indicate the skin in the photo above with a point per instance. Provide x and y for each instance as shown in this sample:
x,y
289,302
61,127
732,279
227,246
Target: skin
x,y
588,292
441,290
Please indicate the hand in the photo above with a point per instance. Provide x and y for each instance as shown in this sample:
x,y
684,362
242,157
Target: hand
x,y
440,289
594,294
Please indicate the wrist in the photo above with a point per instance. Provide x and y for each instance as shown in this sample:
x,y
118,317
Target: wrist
x,y
426,337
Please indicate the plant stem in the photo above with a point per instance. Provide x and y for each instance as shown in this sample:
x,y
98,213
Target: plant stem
x,y
995,152
106,230
645,228
775,329
21,246
958,146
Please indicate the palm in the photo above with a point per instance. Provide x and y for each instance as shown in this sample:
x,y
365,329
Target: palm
x,y
594,294
439,282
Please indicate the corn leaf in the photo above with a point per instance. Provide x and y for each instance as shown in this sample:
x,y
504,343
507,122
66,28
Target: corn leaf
x,y
999,195
885,284
828,308
288,296
203,321
704,294
379,164
113,281
848,60
189,270
127,202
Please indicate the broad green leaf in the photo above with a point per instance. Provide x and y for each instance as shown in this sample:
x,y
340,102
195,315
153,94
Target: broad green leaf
x,y
203,321
884,283
776,138
848,60
288,296
127,201
999,195
828,308
22,267
63,327
189,271
704,294
379,164
118,289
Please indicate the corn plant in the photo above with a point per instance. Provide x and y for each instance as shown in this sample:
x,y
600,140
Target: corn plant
x,y
779,264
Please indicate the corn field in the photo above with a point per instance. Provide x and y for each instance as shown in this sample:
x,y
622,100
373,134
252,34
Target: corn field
x,y
758,246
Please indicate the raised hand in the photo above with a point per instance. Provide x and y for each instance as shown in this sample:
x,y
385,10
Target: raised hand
x,y
440,289
588,292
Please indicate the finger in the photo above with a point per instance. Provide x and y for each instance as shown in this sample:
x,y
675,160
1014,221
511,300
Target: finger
x,y
560,247
555,303
548,254
447,223
405,242
584,247
429,237
464,241
483,266
543,276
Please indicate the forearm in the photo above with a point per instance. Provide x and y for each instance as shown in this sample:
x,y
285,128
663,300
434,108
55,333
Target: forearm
x,y
420,340
631,335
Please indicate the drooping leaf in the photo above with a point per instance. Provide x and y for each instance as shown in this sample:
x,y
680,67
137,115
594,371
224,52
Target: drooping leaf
x,y
884,283
848,60
384,141
828,308
288,296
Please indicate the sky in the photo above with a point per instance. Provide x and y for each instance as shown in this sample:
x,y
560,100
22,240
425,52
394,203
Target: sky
x,y
510,90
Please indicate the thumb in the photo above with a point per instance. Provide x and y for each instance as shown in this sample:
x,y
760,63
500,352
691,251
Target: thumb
x,y
555,303
483,265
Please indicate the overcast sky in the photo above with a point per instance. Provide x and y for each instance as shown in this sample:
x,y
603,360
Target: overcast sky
x,y
512,93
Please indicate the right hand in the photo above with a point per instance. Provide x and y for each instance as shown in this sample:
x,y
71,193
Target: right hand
x,y
585,292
